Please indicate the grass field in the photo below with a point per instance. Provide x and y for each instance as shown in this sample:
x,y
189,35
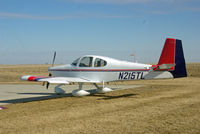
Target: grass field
x,y
193,69
166,106
11,73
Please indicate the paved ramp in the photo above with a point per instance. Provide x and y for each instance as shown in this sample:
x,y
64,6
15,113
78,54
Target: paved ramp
x,y
26,93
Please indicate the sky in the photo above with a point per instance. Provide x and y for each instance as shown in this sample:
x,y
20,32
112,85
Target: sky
x,y
31,30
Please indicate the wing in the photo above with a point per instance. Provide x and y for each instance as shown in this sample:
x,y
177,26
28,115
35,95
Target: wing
x,y
59,80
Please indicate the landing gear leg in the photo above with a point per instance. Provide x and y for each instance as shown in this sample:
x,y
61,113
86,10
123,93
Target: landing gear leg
x,y
58,90
80,91
102,89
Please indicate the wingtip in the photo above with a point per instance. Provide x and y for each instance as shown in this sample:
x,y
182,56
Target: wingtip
x,y
26,77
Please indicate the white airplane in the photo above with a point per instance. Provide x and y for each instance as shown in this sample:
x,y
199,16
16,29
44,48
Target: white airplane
x,y
99,69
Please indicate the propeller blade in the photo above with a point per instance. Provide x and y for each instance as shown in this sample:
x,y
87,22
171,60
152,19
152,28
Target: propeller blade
x,y
54,57
47,85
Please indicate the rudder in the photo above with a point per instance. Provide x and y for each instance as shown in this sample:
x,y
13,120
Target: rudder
x,y
180,67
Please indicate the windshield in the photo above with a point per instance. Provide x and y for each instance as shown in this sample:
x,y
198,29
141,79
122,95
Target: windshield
x,y
75,62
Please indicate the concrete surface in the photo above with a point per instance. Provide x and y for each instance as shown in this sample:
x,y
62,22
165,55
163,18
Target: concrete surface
x,y
26,93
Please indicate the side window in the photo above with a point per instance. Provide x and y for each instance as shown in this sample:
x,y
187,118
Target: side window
x,y
86,62
99,63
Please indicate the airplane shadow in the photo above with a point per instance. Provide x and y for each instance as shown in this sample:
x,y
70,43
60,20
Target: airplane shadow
x,y
54,96
37,93
39,98
108,97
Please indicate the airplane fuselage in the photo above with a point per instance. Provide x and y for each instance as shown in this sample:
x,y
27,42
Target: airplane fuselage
x,y
113,70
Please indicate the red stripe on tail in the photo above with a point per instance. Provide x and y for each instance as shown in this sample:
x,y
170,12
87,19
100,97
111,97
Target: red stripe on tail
x,y
168,53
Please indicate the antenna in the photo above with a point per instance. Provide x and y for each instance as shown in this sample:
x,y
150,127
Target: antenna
x,y
134,56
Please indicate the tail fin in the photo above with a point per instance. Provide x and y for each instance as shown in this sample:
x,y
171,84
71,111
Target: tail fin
x,y
172,57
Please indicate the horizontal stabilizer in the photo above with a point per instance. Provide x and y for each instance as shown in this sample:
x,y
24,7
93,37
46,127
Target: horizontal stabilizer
x,y
164,67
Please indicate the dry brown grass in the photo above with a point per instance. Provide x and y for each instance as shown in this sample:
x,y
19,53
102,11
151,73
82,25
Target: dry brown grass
x,y
193,69
12,73
170,106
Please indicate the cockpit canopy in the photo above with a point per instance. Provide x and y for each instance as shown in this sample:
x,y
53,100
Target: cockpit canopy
x,y
89,61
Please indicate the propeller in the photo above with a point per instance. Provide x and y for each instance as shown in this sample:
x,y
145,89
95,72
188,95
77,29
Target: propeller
x,y
54,57
47,86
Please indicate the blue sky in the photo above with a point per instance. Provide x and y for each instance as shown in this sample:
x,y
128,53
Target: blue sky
x,y
31,30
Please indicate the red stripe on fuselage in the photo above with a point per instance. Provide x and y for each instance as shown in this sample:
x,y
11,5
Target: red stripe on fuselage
x,y
100,70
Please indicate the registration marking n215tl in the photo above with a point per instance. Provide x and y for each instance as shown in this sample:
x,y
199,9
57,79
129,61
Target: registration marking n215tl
x,y
130,75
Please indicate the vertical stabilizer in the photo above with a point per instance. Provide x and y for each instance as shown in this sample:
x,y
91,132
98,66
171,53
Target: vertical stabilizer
x,y
168,52
172,58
